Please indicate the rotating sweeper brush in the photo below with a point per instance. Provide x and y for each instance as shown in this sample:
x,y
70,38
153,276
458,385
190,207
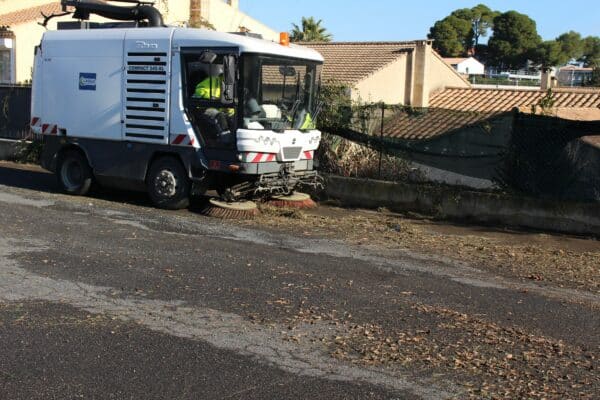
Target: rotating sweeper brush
x,y
235,210
295,200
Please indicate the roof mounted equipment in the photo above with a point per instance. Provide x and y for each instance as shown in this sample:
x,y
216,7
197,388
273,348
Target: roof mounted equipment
x,y
140,11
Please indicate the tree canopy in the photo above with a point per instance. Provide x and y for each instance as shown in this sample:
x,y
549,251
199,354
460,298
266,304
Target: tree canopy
x,y
591,51
513,43
451,36
310,30
549,54
461,31
571,44
515,40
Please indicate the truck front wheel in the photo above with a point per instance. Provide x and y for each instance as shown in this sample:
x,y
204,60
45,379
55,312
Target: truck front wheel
x,y
168,184
73,173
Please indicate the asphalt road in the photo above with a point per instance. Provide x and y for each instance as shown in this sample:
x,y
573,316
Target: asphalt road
x,y
105,297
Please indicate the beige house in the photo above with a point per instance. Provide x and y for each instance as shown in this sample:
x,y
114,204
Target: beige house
x,y
22,32
405,73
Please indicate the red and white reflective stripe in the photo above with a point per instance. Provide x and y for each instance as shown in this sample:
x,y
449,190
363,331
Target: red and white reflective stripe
x,y
308,155
183,140
49,129
258,157
36,125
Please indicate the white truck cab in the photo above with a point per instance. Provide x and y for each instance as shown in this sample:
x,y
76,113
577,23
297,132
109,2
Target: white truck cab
x,y
160,108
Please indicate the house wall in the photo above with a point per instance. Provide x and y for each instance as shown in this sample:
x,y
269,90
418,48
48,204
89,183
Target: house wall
x,y
387,85
410,80
228,18
175,12
225,16
441,75
471,67
27,37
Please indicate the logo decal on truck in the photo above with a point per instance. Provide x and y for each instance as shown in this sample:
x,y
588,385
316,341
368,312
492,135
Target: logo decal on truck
x,y
87,81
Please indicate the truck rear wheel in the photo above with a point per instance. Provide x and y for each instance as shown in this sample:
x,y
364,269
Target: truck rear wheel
x,y
73,173
168,184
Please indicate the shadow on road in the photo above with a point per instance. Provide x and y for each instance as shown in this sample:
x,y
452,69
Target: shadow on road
x,y
32,177
27,177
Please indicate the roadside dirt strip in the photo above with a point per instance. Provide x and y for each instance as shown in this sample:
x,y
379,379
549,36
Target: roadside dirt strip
x,y
561,260
314,295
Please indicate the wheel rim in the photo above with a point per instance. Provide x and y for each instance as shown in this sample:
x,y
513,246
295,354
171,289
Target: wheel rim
x,y
72,174
166,183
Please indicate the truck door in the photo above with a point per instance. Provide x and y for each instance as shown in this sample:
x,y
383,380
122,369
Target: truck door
x,y
146,87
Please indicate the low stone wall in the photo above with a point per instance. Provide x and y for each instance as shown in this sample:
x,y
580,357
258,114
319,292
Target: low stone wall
x,y
460,204
8,149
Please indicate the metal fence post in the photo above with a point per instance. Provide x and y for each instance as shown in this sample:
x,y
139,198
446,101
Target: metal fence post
x,y
381,138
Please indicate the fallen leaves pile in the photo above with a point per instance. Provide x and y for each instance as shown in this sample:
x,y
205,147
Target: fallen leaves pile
x,y
488,360
491,361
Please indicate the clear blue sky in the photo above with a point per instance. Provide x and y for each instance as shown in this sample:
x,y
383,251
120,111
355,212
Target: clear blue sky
x,y
371,20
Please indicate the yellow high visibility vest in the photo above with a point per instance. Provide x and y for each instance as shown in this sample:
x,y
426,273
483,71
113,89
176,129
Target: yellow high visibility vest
x,y
308,123
203,88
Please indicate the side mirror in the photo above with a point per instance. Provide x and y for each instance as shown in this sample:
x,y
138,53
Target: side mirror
x,y
229,81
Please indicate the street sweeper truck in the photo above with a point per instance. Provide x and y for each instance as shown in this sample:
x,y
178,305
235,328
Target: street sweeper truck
x,y
137,105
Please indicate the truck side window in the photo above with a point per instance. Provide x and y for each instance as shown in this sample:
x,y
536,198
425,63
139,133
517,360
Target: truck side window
x,y
213,120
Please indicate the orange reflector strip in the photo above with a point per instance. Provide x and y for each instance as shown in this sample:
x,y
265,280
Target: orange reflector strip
x,y
284,39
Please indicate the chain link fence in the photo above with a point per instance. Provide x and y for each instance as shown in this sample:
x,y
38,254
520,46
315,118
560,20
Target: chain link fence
x,y
383,141
537,155
554,158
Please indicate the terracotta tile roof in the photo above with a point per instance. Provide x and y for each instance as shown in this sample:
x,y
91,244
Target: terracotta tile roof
x,y
456,108
575,68
29,14
503,100
351,62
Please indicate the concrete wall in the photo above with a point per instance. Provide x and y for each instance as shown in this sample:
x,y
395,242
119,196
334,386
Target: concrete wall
x,y
387,85
8,149
463,205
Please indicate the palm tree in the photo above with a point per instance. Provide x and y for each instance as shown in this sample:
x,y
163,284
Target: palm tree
x,y
311,31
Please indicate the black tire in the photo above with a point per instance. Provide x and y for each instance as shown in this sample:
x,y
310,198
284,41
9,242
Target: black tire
x,y
73,173
168,184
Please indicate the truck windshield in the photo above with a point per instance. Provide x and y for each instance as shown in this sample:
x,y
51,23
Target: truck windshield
x,y
279,93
